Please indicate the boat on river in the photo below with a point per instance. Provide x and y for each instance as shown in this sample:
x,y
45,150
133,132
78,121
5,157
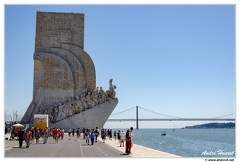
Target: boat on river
x,y
163,133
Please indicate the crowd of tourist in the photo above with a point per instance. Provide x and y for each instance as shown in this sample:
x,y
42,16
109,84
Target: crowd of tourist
x,y
121,136
89,135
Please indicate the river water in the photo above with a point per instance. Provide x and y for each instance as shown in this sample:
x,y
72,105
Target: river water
x,y
189,142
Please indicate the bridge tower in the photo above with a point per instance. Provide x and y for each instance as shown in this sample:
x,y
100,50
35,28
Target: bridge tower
x,y
136,117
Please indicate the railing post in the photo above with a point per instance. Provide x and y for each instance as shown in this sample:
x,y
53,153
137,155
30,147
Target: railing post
x,y
136,117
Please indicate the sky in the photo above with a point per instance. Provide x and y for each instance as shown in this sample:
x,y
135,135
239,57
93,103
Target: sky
x,y
177,60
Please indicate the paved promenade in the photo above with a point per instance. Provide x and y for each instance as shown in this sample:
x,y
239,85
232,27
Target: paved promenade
x,y
77,147
140,151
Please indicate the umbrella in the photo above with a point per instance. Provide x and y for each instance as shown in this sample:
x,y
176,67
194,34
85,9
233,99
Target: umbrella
x,y
18,125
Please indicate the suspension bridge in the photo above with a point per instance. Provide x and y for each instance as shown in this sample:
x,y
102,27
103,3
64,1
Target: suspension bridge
x,y
169,118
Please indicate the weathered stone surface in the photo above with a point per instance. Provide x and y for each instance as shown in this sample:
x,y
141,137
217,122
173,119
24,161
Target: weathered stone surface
x,y
64,74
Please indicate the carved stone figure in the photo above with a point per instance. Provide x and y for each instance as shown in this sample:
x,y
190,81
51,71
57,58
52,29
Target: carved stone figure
x,y
61,113
64,111
84,102
95,91
101,91
96,99
89,100
78,105
49,112
111,94
54,113
70,108
104,98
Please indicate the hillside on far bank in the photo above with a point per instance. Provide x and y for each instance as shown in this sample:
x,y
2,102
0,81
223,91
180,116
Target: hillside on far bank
x,y
212,125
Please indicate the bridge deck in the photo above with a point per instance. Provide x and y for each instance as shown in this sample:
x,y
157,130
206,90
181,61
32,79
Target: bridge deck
x,y
173,119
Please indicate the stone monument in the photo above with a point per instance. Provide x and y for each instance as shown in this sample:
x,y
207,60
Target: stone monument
x,y
64,76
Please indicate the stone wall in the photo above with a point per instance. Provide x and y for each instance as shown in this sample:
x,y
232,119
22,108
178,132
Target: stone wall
x,y
56,28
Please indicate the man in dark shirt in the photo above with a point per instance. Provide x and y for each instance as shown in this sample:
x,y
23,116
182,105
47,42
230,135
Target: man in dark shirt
x,y
20,137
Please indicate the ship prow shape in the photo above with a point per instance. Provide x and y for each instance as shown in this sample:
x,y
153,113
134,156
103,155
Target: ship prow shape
x,y
90,118
90,110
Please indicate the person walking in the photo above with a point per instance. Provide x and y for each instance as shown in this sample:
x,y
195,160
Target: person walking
x,y
87,135
78,133
73,132
92,137
62,133
55,134
37,135
103,135
96,134
83,132
122,138
28,137
115,135
128,142
69,132
119,136
21,135
33,130
110,134
45,135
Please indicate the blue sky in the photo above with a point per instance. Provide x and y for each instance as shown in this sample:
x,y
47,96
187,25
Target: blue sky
x,y
177,60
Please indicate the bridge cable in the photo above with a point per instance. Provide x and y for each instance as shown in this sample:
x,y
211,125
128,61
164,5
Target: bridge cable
x,y
163,114
182,117
123,111
224,115
159,113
